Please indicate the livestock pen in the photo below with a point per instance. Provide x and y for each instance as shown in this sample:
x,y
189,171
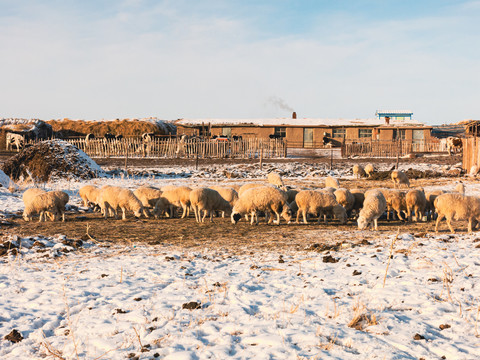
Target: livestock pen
x,y
391,148
250,148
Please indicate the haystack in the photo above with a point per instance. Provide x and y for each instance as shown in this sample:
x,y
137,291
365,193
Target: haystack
x,y
49,160
126,127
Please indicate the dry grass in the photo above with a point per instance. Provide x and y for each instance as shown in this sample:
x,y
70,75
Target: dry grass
x,y
361,317
126,127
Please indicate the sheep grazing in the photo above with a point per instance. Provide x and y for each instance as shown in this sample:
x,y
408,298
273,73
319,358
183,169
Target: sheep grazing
x,y
178,196
460,188
358,171
430,196
267,199
47,202
276,180
28,197
331,182
246,187
369,170
62,200
399,178
90,195
345,198
114,197
322,203
459,207
396,202
359,196
162,207
373,207
148,196
228,193
416,203
208,201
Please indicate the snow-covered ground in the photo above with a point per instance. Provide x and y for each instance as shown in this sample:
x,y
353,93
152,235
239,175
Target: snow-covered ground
x,y
91,300
128,301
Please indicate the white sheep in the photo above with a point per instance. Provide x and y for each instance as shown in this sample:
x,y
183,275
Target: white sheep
x,y
359,196
373,207
276,180
430,196
43,203
460,188
148,196
62,198
358,171
162,206
246,187
267,199
322,203
178,196
115,198
399,178
459,207
345,198
395,202
331,182
416,203
369,170
228,193
208,201
90,195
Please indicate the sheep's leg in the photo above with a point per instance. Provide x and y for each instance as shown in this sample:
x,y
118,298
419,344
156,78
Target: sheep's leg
x,y
375,223
184,207
124,216
409,212
470,224
277,222
298,214
449,224
41,216
205,212
439,218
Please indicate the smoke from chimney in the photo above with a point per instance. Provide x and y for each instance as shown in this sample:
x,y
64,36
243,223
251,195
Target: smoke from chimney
x,y
279,103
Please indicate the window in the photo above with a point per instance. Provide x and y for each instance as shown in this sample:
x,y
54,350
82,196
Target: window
x,y
398,134
227,131
338,133
280,132
364,133
307,138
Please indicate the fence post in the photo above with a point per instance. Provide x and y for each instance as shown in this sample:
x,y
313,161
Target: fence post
x,y
261,158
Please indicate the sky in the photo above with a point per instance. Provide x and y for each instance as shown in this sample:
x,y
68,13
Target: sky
x,y
239,59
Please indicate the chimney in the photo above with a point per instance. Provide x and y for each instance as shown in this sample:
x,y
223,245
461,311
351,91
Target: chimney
x,y
294,115
387,120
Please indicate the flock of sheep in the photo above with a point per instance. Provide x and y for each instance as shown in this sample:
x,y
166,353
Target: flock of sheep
x,y
273,200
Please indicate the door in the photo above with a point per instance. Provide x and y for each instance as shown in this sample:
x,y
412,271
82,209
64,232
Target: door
x,y
417,140
308,138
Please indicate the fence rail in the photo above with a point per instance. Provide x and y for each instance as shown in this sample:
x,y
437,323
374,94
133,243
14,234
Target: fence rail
x,y
176,148
386,149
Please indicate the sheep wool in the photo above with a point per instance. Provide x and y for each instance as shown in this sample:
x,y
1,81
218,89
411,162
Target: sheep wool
x,y
416,203
276,180
331,182
358,171
455,206
178,196
41,204
208,201
399,178
318,202
115,197
264,198
373,207
89,194
369,170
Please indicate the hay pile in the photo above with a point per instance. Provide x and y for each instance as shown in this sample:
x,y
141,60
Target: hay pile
x,y
125,127
50,160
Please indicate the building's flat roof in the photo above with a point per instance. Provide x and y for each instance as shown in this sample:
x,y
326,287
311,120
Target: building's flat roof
x,y
394,112
296,122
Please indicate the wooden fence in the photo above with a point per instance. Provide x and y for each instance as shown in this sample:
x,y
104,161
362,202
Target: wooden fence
x,y
176,148
471,152
391,149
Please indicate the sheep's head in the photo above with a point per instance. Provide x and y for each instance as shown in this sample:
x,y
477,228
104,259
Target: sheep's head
x,y
340,213
236,217
26,215
287,213
362,223
138,212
